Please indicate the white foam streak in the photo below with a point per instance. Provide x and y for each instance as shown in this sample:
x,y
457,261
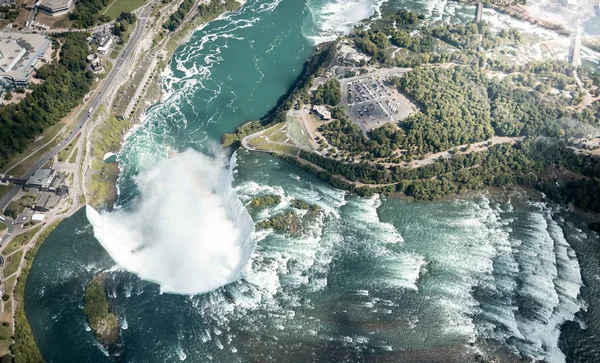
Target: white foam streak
x,y
338,17
187,231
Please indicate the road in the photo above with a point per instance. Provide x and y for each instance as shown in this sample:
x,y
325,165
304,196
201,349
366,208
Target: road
x,y
95,101
9,231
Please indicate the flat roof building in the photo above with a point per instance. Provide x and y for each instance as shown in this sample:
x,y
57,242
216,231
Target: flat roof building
x,y
20,54
322,112
56,7
42,178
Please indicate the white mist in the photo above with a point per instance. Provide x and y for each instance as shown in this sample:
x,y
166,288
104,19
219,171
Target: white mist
x,y
187,231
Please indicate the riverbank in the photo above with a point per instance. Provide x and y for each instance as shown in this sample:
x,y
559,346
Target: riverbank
x,y
109,135
24,347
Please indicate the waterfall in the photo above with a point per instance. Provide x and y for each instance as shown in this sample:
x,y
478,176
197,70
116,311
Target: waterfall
x,y
187,231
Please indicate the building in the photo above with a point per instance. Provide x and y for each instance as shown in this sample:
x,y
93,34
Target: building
x,y
103,39
42,179
105,46
56,7
95,63
20,55
322,112
38,217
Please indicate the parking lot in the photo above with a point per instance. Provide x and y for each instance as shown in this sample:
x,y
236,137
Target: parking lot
x,y
371,103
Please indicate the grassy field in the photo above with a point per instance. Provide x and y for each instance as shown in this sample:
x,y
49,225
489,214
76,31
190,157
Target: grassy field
x,y
114,54
4,189
19,241
22,168
12,263
107,138
64,154
297,132
7,315
119,6
73,158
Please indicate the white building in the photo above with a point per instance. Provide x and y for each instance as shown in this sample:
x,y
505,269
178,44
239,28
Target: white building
x,y
56,7
104,48
322,112
20,55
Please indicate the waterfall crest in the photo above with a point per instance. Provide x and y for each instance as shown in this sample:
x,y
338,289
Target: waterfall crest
x,y
187,230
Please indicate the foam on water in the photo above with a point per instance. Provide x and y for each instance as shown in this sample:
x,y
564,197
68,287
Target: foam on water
x,y
332,18
186,231
533,287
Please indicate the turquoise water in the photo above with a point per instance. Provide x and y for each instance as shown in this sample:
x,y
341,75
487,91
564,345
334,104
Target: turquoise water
x,y
365,280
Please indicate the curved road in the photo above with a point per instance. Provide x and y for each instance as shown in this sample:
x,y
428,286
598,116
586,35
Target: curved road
x,y
95,101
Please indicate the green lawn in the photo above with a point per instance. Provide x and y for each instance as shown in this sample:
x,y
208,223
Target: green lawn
x,y
12,263
73,158
4,189
119,6
114,54
22,168
18,241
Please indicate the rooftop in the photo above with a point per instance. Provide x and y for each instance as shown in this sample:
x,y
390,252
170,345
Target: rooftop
x,y
19,53
56,5
41,177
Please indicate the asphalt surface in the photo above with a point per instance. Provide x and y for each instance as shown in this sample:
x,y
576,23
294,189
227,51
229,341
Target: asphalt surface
x,y
9,231
95,101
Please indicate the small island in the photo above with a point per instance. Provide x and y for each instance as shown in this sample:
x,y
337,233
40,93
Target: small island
x,y
103,322
265,200
301,204
282,222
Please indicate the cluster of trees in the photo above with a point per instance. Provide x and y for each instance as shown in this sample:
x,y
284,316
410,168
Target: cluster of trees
x,y
177,17
96,307
301,204
470,36
281,222
454,108
9,13
65,84
215,8
87,13
265,200
123,22
501,165
519,111
329,93
346,135
403,39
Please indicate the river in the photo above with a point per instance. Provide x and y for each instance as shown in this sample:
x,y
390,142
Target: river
x,y
364,280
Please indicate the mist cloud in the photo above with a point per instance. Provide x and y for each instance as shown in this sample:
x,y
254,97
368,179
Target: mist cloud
x,y
187,231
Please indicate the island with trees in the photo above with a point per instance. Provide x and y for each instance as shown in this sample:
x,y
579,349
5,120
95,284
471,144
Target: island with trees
x,y
475,117
103,322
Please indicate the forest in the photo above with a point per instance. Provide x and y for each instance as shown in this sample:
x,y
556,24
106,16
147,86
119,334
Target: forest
x,y
328,93
87,13
177,17
63,87
454,108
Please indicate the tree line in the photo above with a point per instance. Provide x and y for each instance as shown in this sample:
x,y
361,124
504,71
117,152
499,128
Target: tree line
x,y
86,13
63,87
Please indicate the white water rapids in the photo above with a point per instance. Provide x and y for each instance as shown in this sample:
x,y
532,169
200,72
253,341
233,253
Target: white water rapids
x,y
187,231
